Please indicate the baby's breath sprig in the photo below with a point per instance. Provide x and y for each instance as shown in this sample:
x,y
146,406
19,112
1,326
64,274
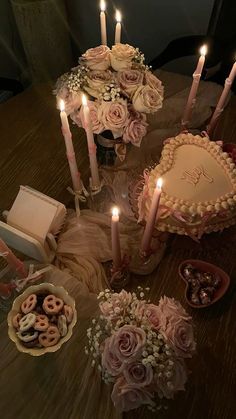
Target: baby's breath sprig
x,y
110,92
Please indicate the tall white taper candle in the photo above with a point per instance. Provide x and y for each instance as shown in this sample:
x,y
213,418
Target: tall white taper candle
x,y
115,239
118,27
103,23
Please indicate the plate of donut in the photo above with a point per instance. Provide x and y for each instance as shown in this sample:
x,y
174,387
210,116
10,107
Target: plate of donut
x,y
41,319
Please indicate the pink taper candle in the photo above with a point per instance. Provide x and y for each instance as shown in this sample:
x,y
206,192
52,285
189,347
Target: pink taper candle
x,y
118,27
194,88
103,23
221,104
75,174
15,263
91,144
115,239
151,220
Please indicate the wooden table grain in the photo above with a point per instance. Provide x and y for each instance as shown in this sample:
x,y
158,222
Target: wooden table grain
x,y
32,152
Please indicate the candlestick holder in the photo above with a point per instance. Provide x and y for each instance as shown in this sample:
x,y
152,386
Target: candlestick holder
x,y
119,277
79,196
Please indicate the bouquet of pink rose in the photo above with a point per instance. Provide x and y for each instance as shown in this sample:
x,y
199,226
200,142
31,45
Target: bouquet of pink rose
x,y
141,348
121,87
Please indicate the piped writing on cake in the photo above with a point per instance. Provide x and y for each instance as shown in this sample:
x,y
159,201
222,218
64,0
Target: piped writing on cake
x,y
193,176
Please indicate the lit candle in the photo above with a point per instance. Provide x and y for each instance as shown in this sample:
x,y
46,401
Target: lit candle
x,y
118,27
223,98
151,220
115,239
75,174
15,263
103,23
194,88
91,144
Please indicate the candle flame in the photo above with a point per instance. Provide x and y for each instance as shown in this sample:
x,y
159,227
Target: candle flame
x,y
203,50
115,211
61,105
118,16
84,100
159,183
102,6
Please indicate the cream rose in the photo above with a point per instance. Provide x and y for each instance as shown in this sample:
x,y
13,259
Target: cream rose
x,y
121,56
129,396
152,81
147,100
130,80
97,58
114,115
96,80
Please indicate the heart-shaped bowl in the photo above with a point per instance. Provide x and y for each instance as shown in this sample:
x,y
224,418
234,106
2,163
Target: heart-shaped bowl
x,y
59,292
203,266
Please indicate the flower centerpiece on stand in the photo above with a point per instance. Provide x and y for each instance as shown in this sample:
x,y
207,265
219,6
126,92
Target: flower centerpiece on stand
x,y
122,91
141,348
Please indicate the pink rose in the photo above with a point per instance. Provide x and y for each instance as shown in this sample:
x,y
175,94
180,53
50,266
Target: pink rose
x,y
179,335
168,386
130,80
78,117
134,131
129,396
72,100
154,82
114,115
96,80
116,305
154,316
122,56
147,100
137,373
110,362
97,58
170,307
128,342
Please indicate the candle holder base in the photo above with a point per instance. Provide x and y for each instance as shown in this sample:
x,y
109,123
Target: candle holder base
x,y
119,278
145,264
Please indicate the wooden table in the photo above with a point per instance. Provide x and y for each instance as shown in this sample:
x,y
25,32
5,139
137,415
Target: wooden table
x,y
32,153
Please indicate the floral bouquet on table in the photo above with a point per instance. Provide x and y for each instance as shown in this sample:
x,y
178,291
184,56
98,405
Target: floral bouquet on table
x,y
141,348
122,91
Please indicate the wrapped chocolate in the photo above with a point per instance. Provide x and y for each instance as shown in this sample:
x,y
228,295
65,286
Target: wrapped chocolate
x,y
202,285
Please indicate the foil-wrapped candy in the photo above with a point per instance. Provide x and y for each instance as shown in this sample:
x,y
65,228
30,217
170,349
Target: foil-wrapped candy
x,y
202,285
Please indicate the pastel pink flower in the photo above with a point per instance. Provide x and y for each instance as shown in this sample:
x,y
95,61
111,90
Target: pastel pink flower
x,y
137,373
116,305
114,115
170,307
179,335
110,361
122,56
130,80
72,100
97,58
134,131
128,342
154,82
154,316
129,396
78,117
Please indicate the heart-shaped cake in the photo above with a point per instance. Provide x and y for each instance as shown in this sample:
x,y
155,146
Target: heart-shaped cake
x,y
199,187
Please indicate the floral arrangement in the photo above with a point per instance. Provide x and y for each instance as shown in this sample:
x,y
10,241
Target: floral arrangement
x,y
141,348
121,87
